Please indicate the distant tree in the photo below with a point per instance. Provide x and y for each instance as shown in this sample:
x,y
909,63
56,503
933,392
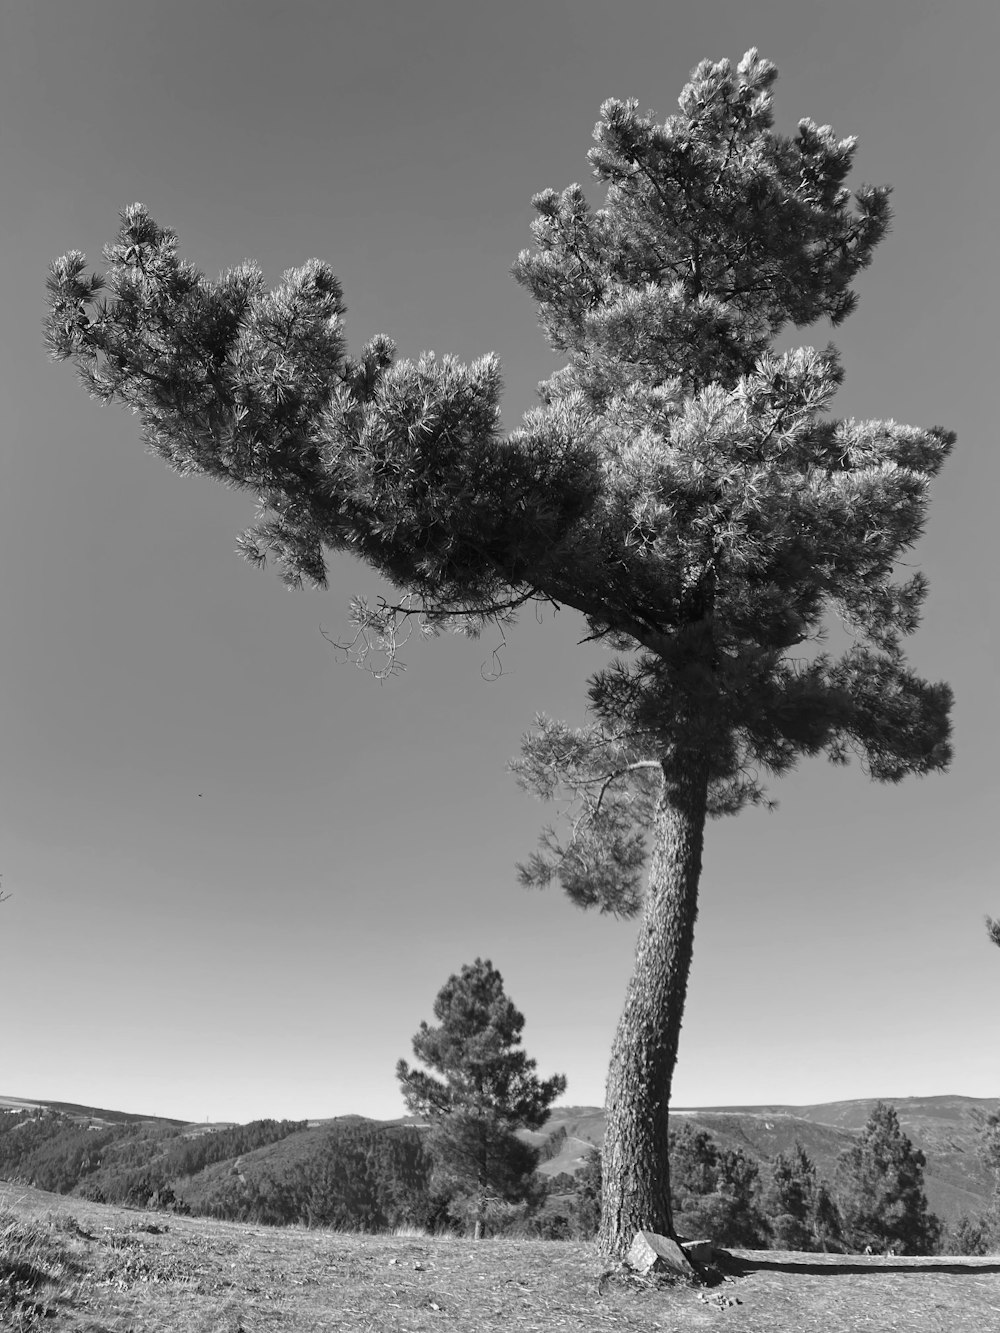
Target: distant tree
x,y
993,929
970,1234
788,1199
694,1154
827,1223
880,1190
587,1210
799,1207
487,1089
553,1145
681,487
576,1196
981,1234
989,1143
715,1191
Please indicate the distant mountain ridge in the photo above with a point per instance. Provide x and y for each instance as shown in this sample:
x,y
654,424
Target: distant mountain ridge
x,y
944,1127
94,1114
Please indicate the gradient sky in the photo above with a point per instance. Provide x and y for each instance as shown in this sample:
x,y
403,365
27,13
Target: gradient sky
x,y
240,869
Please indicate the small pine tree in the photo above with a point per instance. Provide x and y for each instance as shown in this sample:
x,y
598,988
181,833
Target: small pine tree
x,y
553,1145
993,929
788,1199
800,1209
880,1183
970,1235
488,1089
827,1222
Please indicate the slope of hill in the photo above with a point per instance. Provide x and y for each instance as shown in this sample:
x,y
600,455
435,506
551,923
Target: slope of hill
x,y
347,1172
305,1149
945,1128
85,1115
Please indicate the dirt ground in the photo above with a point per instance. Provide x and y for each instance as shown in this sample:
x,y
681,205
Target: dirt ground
x,y
111,1270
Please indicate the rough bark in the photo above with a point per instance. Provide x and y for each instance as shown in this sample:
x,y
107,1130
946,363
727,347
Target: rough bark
x,y
636,1181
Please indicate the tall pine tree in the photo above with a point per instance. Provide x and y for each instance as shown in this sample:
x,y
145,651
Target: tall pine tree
x,y
880,1190
681,486
487,1088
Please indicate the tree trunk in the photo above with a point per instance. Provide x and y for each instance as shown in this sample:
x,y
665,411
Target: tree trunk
x,y
636,1179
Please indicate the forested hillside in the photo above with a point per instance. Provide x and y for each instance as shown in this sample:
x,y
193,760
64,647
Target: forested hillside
x,y
946,1130
356,1173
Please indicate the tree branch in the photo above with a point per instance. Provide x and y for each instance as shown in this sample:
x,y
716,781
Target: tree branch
x,y
630,768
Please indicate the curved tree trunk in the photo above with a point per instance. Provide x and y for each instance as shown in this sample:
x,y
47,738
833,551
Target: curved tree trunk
x,y
636,1180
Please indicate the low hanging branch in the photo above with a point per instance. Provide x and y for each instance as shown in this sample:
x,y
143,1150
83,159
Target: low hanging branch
x,y
381,631
609,797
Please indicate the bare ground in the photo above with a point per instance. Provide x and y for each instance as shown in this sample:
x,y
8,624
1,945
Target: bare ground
x,y
99,1269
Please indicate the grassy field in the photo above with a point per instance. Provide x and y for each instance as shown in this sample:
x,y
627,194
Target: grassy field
x,y
66,1264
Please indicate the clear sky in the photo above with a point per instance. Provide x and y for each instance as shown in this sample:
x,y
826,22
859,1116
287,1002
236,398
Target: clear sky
x,y
241,870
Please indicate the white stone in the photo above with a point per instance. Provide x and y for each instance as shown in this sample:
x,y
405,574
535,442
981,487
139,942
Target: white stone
x,y
650,1253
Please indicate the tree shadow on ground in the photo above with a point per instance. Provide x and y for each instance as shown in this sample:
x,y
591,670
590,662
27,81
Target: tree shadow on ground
x,y
836,1266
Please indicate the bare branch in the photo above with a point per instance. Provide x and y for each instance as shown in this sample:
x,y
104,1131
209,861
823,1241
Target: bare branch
x,y
382,630
496,671
630,768
378,637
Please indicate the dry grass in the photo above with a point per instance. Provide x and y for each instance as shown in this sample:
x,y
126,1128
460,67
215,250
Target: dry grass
x,y
96,1269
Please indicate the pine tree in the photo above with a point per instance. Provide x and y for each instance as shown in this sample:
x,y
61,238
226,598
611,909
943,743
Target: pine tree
x,y
993,929
880,1188
970,1234
800,1210
487,1089
680,486
827,1224
788,1199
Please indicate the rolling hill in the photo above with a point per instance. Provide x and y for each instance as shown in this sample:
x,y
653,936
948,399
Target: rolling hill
x,y
945,1128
